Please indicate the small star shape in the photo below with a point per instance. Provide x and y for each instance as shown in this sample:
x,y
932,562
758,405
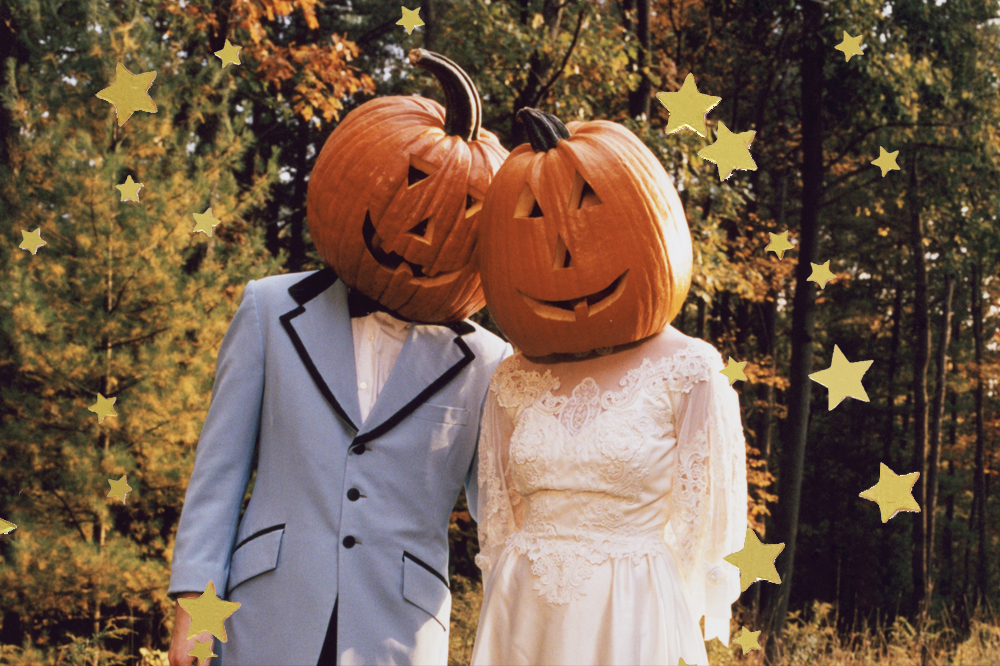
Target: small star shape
x,y
208,613
202,650
893,493
129,189
32,241
687,107
756,560
410,20
730,151
103,407
851,46
205,222
6,527
748,640
734,371
843,378
821,274
230,55
129,93
681,662
779,243
119,488
886,161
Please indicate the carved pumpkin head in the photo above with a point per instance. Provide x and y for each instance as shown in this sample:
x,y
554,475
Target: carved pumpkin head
x,y
584,243
394,198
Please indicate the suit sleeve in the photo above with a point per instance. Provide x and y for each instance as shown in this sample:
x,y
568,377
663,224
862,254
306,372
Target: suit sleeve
x,y
472,475
223,461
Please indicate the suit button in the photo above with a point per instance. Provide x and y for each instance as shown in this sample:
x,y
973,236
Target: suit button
x,y
358,449
353,494
348,542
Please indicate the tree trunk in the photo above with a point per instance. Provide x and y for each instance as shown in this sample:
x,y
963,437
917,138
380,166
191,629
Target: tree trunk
x,y
797,423
638,99
430,24
979,477
297,242
890,398
921,360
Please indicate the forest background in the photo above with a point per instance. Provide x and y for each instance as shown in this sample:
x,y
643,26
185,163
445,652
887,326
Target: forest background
x,y
124,300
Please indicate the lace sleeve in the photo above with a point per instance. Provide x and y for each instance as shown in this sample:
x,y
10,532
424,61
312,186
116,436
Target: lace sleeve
x,y
499,505
708,499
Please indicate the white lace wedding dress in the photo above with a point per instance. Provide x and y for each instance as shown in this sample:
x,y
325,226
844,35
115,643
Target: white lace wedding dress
x,y
605,512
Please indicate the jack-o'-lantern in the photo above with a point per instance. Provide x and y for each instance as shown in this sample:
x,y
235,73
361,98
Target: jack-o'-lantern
x,y
395,195
583,242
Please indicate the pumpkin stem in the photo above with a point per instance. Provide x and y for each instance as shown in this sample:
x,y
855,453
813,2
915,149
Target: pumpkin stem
x,y
463,108
544,129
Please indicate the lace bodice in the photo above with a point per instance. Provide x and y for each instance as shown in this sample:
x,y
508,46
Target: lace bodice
x,y
656,465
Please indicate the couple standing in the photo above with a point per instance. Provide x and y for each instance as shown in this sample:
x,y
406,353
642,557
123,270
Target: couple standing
x,y
603,461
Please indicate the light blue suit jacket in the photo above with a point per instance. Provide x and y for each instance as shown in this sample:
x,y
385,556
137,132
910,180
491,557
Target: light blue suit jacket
x,y
285,396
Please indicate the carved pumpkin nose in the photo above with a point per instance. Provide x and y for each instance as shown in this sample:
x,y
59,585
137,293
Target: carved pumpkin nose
x,y
420,229
562,256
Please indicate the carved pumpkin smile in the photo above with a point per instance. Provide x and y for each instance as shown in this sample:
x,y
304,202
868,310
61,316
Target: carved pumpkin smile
x,y
392,260
576,309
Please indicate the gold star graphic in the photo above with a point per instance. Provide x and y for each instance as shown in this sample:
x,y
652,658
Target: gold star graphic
x,y
681,662
205,222
734,371
821,274
687,107
32,241
129,93
730,151
410,20
129,190
748,640
851,46
843,378
6,527
202,650
756,560
893,493
208,613
103,407
119,488
779,243
886,161
230,55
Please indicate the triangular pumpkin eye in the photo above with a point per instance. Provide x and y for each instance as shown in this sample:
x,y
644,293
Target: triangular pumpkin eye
x,y
527,205
414,176
582,195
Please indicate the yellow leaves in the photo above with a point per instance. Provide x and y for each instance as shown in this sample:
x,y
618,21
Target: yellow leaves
x,y
883,231
537,22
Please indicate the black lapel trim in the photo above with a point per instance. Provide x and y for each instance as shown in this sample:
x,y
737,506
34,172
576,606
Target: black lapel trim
x,y
309,288
286,321
419,561
420,399
461,327
258,533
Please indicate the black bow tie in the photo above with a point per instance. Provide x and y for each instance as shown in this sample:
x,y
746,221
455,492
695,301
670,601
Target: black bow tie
x,y
359,305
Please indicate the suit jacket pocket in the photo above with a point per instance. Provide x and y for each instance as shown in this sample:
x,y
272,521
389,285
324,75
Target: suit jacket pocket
x,y
255,555
426,589
441,414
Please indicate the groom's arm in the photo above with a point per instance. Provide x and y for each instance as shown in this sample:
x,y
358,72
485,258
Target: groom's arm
x,y
224,458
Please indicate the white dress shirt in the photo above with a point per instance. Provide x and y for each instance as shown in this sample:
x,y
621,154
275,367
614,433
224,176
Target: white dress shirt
x,y
378,340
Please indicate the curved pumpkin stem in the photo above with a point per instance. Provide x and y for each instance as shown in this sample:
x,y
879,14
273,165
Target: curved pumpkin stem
x,y
544,129
463,109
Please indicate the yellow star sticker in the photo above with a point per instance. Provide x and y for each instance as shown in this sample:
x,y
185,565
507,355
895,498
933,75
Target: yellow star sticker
x,y
748,640
681,662
756,560
129,93
205,222
32,241
103,407
208,613
410,20
129,189
119,488
851,46
893,493
779,243
6,527
843,378
734,371
687,107
730,151
886,161
230,55
821,274
202,650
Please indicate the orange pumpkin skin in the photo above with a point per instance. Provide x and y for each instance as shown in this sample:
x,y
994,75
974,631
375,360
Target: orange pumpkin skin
x,y
361,202
568,269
